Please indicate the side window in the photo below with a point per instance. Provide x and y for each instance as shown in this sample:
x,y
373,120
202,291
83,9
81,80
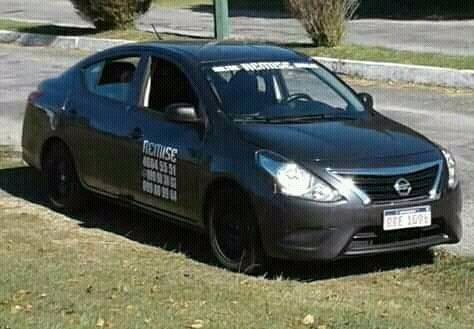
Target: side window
x,y
318,90
112,78
167,85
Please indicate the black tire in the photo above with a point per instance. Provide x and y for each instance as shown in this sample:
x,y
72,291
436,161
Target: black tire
x,y
65,191
233,233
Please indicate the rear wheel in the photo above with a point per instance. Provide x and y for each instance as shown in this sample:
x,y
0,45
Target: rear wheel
x,y
233,233
65,191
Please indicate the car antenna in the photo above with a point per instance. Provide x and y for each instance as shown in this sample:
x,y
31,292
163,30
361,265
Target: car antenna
x,y
156,32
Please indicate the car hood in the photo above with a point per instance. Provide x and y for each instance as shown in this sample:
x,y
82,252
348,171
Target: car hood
x,y
365,141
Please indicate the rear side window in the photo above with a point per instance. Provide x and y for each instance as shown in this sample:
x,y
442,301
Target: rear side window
x,y
112,78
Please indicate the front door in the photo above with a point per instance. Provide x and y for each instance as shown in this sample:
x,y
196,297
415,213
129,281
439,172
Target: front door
x,y
164,173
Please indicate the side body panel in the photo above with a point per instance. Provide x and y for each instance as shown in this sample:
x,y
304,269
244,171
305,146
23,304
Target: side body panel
x,y
43,116
97,129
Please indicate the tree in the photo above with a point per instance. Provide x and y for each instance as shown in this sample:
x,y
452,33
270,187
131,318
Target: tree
x,y
324,20
111,14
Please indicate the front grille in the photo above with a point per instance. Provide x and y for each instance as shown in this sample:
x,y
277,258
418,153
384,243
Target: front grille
x,y
381,188
373,237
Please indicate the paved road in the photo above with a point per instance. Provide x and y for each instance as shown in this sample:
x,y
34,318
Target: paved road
x,y
452,37
446,117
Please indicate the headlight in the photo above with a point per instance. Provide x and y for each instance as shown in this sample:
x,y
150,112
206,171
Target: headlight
x,y
293,180
451,163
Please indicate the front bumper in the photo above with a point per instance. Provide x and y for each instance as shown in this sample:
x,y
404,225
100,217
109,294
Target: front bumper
x,y
305,230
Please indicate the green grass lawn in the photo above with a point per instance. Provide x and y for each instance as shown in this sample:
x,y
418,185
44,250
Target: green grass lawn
x,y
115,268
398,9
356,52
269,5
345,51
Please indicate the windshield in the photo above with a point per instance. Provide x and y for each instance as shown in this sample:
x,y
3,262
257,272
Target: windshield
x,y
281,91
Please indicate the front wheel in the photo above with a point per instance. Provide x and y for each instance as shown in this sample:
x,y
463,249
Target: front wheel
x,y
65,191
233,233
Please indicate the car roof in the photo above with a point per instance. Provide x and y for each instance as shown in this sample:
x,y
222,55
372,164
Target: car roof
x,y
228,51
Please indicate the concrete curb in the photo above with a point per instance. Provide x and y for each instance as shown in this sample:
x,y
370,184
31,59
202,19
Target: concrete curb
x,y
369,70
65,42
401,72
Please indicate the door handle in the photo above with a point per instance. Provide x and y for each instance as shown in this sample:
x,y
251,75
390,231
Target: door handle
x,y
135,133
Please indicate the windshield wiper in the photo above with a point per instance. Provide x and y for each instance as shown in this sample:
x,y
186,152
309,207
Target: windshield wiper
x,y
253,117
257,117
311,117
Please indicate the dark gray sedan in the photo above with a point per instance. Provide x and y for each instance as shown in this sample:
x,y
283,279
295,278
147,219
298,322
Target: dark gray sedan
x,y
260,147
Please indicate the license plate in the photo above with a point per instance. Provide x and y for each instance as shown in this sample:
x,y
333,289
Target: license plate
x,y
399,219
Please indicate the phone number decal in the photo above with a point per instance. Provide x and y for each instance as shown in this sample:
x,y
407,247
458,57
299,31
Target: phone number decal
x,y
159,171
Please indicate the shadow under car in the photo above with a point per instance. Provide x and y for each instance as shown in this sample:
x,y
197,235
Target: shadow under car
x,y
26,183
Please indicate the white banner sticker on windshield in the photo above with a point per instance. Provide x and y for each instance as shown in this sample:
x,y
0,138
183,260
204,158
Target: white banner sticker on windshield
x,y
264,66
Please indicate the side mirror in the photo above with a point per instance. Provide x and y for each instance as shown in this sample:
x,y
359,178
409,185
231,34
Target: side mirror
x,y
182,112
367,100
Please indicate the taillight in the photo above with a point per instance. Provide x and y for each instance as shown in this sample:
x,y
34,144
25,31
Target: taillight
x,y
34,95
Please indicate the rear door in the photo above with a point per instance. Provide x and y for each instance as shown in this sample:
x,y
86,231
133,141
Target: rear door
x,y
165,161
100,112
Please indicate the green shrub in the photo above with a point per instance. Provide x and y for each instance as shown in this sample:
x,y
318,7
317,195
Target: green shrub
x,y
111,14
324,20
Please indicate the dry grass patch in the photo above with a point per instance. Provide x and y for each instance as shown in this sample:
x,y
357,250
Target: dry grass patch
x,y
63,272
